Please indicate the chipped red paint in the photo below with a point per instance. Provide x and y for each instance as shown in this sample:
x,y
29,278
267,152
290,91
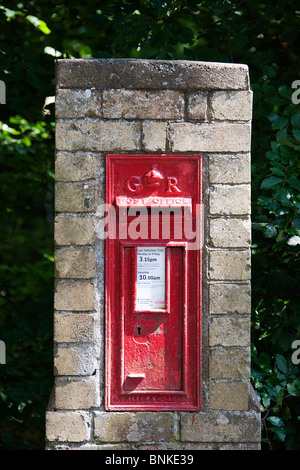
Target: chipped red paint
x,y
153,355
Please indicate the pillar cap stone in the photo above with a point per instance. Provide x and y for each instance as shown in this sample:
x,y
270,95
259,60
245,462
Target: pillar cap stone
x,y
150,74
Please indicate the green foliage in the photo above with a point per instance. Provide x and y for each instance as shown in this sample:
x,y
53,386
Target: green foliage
x,y
276,317
26,279
32,34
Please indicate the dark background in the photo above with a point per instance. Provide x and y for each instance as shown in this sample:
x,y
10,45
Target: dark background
x,y
263,35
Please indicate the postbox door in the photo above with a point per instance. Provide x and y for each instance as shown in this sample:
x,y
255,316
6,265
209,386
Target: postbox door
x,y
153,311
153,318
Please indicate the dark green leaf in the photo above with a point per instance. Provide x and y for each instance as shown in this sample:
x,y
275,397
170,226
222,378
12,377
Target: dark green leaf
x,y
280,123
294,182
269,71
270,182
270,231
296,134
279,433
285,92
296,120
275,421
294,388
284,196
273,155
281,363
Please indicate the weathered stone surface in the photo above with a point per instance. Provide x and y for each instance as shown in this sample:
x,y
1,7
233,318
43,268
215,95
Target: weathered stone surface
x,y
74,295
232,105
75,197
73,328
78,166
150,74
196,446
74,231
76,394
75,263
71,446
210,137
229,265
154,135
229,363
230,200
134,427
97,135
68,426
232,396
77,103
221,427
233,169
75,360
229,331
229,298
197,106
108,447
142,104
239,446
233,233
175,446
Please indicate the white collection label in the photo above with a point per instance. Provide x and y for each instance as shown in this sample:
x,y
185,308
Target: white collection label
x,y
150,278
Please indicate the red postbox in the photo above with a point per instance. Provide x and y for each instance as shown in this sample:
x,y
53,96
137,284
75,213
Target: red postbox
x,y
153,282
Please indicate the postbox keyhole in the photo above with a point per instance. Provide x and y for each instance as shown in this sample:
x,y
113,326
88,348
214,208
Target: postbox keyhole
x,y
139,331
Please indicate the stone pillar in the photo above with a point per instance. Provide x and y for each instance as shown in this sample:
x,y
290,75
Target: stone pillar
x,y
156,107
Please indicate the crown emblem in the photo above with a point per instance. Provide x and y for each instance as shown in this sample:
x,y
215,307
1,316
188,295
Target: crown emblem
x,y
153,177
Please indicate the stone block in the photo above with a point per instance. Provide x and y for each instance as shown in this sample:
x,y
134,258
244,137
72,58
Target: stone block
x,y
75,359
68,426
72,446
230,199
154,136
74,231
239,446
150,74
229,331
134,427
232,396
232,105
229,363
231,233
229,298
73,328
197,106
107,136
221,427
77,103
75,197
75,263
142,104
77,394
74,296
229,265
210,137
232,169
79,166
